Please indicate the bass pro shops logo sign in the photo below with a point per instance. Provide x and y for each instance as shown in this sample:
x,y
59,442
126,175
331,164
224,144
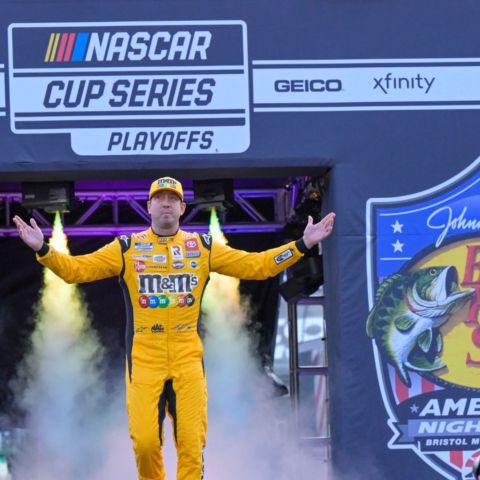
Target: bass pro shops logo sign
x,y
130,88
423,267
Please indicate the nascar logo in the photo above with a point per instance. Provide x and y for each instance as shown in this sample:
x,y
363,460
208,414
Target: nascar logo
x,y
119,46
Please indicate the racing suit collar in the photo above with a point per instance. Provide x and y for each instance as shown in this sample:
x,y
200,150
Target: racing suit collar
x,y
163,238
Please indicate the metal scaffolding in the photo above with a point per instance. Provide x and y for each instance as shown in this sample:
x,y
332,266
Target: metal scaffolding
x,y
124,211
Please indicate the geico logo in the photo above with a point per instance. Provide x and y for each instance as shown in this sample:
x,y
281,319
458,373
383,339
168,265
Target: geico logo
x,y
171,283
158,46
317,85
141,92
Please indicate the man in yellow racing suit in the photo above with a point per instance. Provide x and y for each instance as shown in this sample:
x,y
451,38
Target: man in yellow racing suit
x,y
163,272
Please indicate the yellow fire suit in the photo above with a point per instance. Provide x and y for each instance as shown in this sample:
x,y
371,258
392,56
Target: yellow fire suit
x,y
163,279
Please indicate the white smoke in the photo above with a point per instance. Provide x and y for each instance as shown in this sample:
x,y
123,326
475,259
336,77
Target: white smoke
x,y
70,415
250,432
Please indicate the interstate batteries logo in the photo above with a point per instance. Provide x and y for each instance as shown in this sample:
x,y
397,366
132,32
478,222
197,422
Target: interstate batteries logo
x,y
423,264
133,88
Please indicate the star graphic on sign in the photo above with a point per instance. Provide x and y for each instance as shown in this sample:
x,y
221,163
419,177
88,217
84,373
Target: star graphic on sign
x,y
397,246
397,227
414,408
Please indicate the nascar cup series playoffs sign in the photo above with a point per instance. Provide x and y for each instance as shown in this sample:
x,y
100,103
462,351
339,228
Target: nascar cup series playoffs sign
x,y
423,264
188,87
132,88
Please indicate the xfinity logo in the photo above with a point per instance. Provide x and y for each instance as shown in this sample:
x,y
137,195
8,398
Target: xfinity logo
x,y
389,82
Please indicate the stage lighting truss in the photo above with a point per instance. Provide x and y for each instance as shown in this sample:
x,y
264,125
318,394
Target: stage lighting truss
x,y
306,199
123,211
50,196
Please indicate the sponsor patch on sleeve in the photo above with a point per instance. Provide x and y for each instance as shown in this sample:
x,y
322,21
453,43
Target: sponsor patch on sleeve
x,y
206,240
124,242
281,257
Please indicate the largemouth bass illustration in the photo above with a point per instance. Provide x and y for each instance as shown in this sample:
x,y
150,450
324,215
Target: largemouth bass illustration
x,y
408,310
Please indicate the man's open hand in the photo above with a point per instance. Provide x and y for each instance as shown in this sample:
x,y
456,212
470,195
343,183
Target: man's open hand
x,y
316,232
30,234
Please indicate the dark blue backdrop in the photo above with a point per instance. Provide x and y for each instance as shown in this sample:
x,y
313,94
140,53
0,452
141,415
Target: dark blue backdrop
x,y
376,153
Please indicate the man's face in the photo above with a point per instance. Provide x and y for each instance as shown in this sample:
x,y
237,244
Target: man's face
x,y
165,208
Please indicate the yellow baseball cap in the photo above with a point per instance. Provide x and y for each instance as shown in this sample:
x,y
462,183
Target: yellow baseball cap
x,y
166,183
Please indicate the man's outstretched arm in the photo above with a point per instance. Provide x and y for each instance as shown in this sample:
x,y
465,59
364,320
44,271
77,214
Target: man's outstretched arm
x,y
258,266
103,263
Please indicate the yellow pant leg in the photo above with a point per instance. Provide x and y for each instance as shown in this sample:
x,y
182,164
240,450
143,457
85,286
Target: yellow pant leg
x,y
190,420
144,406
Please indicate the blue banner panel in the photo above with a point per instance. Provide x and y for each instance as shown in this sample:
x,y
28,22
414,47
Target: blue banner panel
x,y
130,87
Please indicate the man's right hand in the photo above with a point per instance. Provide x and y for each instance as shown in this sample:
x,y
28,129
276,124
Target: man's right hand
x,y
30,234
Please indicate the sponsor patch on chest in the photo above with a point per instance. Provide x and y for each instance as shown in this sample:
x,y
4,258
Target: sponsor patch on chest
x,y
191,248
177,252
139,266
171,283
143,246
142,257
162,258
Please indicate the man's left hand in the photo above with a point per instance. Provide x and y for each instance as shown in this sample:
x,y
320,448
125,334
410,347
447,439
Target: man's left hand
x,y
316,232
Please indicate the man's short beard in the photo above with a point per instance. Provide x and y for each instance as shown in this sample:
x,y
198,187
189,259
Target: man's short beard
x,y
166,224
